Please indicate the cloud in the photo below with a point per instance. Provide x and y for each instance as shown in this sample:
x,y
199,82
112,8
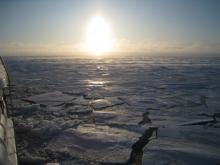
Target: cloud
x,y
123,45
15,48
167,47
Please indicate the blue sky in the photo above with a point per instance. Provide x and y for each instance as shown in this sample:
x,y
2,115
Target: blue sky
x,y
138,25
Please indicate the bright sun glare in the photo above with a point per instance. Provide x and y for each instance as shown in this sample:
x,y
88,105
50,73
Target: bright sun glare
x,y
99,36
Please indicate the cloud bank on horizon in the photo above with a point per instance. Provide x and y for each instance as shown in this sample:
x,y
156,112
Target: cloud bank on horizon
x,y
157,26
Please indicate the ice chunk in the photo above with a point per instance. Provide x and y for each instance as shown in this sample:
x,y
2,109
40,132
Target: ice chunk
x,y
51,98
96,142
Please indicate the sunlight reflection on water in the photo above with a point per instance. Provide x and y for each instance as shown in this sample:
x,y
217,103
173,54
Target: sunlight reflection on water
x,y
96,82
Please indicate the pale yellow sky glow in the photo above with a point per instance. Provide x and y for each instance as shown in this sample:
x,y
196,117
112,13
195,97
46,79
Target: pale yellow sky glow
x,y
70,27
99,38
123,45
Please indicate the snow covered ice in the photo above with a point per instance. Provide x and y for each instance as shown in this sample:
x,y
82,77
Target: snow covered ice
x,y
91,111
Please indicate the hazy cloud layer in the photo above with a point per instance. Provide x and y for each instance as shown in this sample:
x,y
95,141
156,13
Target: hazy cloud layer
x,y
21,48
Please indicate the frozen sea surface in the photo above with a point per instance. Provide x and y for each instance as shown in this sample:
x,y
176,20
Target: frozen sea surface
x,y
91,111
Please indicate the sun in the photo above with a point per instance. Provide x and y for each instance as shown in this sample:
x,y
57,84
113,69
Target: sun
x,y
99,36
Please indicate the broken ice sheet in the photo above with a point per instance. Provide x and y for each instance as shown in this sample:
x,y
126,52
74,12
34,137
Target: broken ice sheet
x,y
132,87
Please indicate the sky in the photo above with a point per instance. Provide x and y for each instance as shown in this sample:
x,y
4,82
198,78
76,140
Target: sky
x,y
151,26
